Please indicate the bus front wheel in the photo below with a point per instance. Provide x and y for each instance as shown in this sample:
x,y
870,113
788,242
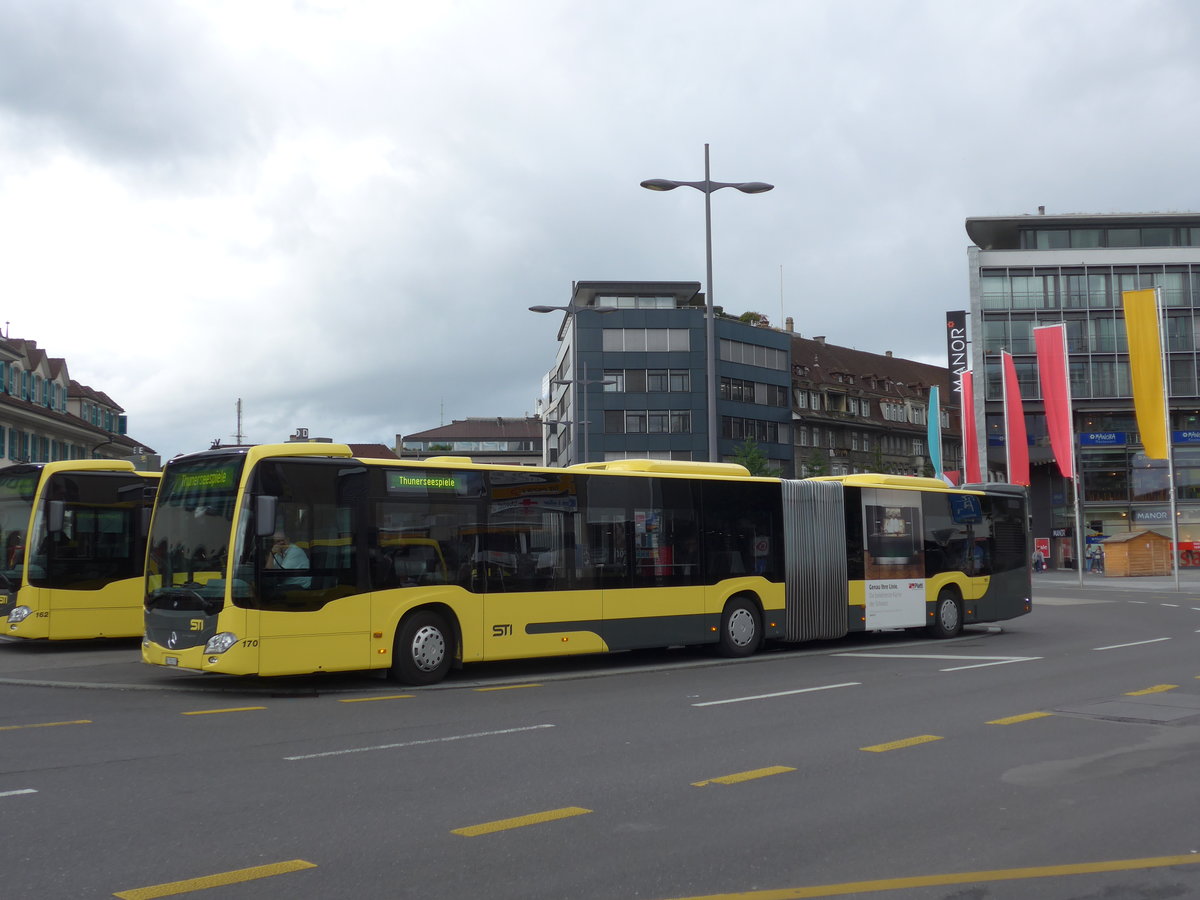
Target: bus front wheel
x,y
741,631
424,649
947,615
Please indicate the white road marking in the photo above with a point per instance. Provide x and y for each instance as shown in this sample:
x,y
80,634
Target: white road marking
x,y
442,740
826,687
15,793
1134,644
989,660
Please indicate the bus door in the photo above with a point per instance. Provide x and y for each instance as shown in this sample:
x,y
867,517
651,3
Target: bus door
x,y
643,538
314,611
540,595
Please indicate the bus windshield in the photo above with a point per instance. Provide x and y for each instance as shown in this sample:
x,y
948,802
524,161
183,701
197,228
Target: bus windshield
x,y
193,519
17,489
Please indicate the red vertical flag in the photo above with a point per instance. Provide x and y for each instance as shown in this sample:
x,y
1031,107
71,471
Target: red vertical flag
x,y
971,471
1051,343
1015,439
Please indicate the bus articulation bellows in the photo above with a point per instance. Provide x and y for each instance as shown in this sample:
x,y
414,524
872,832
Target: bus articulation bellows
x,y
298,558
73,539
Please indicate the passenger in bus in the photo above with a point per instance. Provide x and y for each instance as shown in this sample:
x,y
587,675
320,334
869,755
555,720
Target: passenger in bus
x,y
286,555
14,550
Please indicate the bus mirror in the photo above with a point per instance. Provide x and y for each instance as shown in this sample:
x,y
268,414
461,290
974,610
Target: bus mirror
x,y
56,512
264,515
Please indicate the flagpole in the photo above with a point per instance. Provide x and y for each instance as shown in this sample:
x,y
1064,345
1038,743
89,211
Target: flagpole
x,y
1078,475
1078,492
1158,313
1077,478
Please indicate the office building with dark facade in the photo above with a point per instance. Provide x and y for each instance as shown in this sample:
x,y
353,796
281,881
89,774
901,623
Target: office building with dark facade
x,y
631,382
1044,269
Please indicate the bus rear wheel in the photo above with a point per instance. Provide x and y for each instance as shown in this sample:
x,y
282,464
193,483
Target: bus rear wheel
x,y
424,649
947,615
741,629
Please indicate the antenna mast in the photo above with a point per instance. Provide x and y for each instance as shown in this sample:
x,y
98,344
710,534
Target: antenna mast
x,y
239,437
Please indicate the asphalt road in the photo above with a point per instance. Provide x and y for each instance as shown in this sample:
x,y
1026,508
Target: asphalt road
x,y
1054,757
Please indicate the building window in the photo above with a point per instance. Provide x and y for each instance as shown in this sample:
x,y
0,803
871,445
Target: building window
x,y
754,355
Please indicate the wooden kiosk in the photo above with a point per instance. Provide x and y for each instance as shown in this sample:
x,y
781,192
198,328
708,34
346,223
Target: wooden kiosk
x,y
1137,553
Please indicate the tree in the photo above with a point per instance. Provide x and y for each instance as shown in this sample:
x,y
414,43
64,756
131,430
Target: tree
x,y
754,318
749,455
816,464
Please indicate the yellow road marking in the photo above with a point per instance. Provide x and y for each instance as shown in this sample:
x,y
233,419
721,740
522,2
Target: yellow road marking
x,y
521,821
1024,717
899,745
209,712
745,776
507,687
369,699
45,724
899,884
1157,689
211,881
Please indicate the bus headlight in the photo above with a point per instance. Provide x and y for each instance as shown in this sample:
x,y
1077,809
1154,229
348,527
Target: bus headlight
x,y
19,614
219,643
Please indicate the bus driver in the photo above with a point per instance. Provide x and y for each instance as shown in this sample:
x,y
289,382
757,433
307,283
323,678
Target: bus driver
x,y
286,555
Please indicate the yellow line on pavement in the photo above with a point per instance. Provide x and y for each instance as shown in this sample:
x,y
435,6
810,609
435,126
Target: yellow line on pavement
x,y
745,776
1024,717
209,712
521,821
900,745
45,724
1157,689
211,881
369,699
506,687
900,884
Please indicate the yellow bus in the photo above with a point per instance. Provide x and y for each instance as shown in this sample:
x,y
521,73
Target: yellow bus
x,y
297,558
73,538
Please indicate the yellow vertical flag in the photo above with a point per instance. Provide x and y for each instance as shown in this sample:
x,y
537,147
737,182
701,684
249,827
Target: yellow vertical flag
x,y
1145,369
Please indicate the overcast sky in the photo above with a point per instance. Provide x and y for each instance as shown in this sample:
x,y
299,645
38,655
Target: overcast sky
x,y
339,211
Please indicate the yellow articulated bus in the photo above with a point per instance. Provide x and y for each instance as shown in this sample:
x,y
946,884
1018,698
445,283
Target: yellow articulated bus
x,y
296,558
73,538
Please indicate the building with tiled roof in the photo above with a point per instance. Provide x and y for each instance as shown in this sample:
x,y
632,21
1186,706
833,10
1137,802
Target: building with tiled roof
x,y
495,439
854,411
46,416
372,451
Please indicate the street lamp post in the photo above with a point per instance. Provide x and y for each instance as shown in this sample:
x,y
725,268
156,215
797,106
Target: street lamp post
x,y
706,187
580,383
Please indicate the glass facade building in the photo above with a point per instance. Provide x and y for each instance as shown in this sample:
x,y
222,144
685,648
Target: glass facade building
x,y
1035,270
